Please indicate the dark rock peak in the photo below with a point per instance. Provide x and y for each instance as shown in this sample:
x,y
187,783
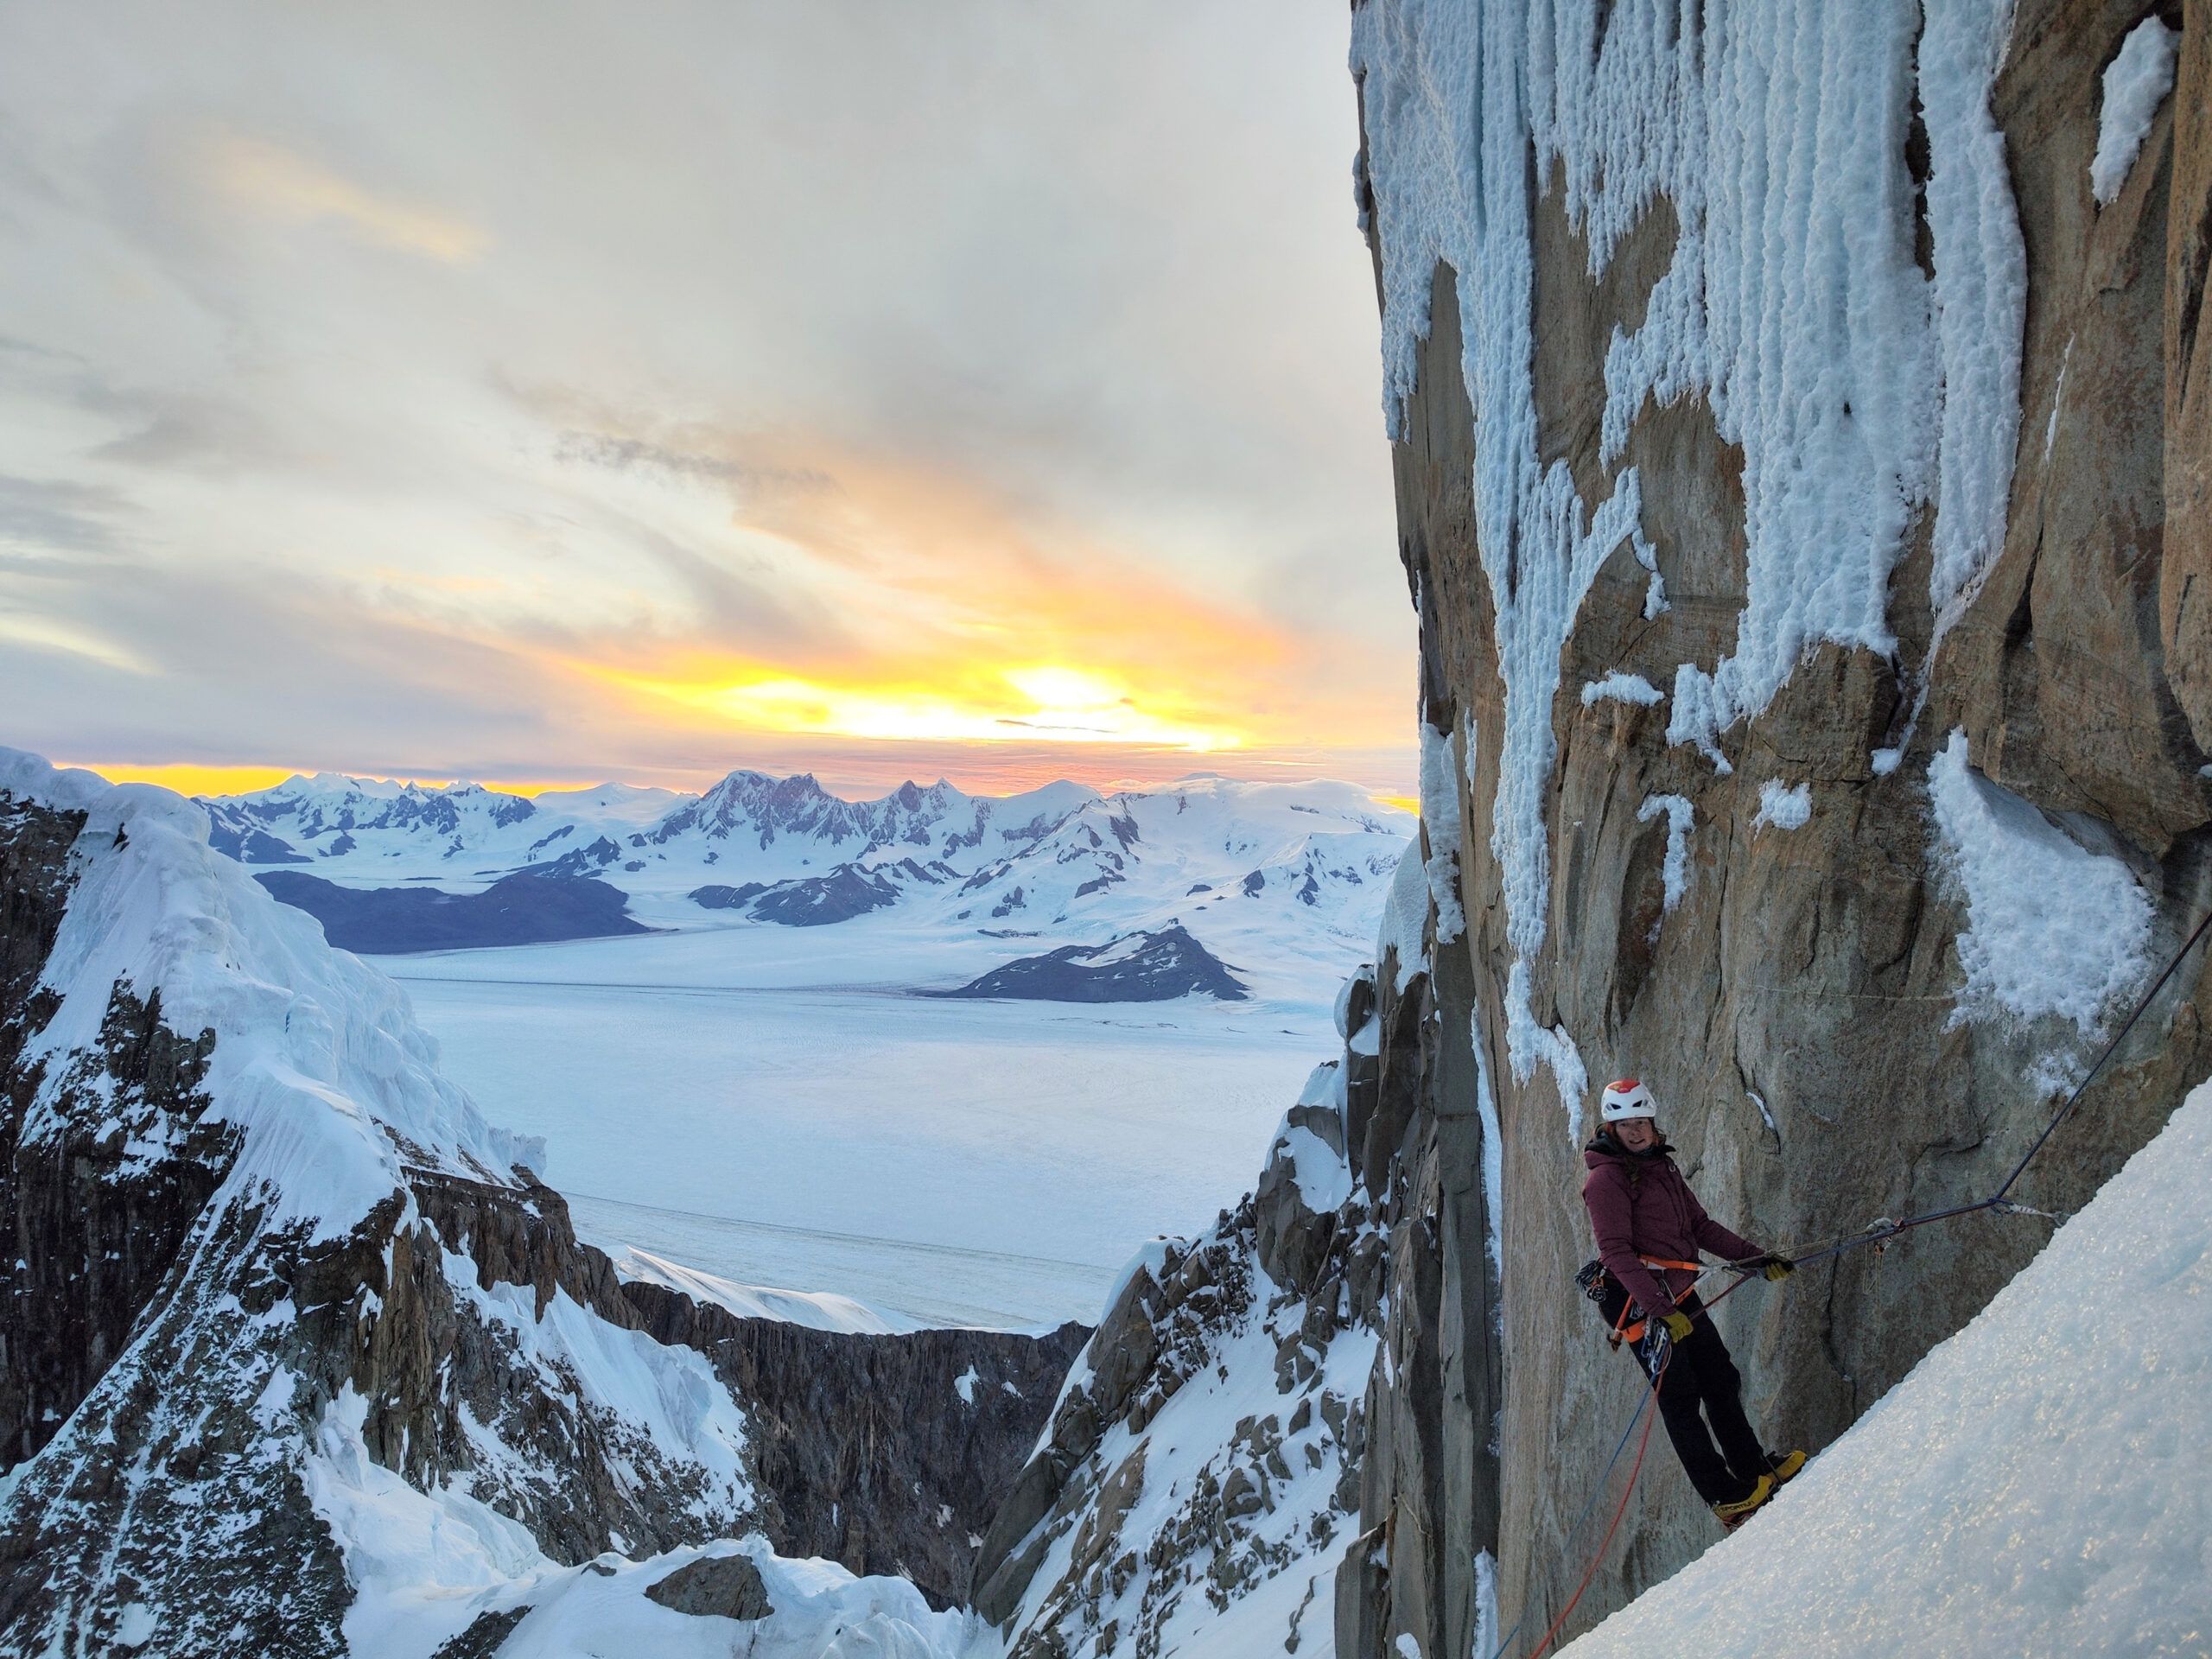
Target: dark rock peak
x,y
1142,967
715,1587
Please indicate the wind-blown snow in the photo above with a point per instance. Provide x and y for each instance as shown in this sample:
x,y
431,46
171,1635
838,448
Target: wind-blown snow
x,y
317,1059
2040,1483
1861,393
2051,927
817,1309
2137,81
1493,1165
1439,818
1618,687
1674,873
1783,806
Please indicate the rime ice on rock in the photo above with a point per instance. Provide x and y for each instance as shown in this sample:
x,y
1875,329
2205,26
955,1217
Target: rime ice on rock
x,y
2052,927
1675,873
1618,687
1863,395
1783,806
2135,83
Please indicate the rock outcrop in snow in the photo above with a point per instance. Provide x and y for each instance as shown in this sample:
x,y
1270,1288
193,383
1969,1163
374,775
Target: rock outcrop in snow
x,y
294,1350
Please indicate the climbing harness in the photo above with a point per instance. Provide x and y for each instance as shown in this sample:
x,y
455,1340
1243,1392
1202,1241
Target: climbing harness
x,y
1615,1304
1877,1233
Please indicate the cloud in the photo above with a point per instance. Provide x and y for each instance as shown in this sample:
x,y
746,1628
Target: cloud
x,y
518,391
283,184
58,514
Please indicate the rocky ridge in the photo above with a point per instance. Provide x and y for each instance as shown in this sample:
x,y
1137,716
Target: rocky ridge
x,y
275,1284
1203,1464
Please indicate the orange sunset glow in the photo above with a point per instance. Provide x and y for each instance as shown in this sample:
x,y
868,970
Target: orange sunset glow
x,y
629,468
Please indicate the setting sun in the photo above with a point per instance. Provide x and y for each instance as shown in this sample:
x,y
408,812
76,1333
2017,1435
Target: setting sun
x,y
1026,704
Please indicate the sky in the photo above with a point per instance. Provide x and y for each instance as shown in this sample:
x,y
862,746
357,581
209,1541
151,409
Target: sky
x,y
545,393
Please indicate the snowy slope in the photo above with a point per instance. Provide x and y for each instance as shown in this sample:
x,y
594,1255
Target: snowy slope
x,y
420,1401
2041,1482
317,1059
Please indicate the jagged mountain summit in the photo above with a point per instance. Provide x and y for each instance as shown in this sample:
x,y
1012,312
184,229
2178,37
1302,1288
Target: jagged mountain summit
x,y
1285,877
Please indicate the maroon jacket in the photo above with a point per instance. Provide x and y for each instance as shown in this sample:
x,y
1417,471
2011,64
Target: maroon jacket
x,y
1654,1214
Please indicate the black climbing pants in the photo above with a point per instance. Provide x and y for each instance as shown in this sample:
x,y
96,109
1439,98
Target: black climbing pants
x,y
1700,1378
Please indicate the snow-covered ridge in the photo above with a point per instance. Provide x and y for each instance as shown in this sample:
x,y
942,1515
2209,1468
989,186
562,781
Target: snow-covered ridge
x,y
1286,876
426,1408
317,1057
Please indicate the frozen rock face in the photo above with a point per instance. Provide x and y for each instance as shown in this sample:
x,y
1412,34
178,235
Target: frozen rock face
x,y
293,1345
1202,1469
1923,581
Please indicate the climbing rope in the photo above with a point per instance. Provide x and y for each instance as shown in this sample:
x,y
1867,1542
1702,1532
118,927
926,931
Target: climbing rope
x,y
1619,1509
1877,1233
1597,1491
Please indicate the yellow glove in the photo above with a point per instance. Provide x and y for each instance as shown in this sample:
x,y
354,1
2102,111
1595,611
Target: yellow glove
x,y
1678,1325
1778,1269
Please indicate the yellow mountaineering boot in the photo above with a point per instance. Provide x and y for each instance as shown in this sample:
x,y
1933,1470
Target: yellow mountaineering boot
x,y
1733,1516
1786,1467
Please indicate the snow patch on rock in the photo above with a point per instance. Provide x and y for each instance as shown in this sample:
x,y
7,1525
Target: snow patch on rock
x,y
1783,806
2052,927
1440,818
1405,918
1618,687
2135,83
1674,873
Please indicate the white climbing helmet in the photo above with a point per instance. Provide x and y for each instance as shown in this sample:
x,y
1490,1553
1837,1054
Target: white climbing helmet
x,y
1626,1098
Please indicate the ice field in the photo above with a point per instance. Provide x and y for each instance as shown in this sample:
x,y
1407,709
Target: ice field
x,y
955,1163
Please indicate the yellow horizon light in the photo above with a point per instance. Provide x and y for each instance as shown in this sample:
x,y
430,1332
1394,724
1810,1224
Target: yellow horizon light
x,y
1064,705
188,778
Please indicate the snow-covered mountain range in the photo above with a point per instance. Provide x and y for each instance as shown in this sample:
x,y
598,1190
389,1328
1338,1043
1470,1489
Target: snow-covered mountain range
x,y
1260,876
298,1357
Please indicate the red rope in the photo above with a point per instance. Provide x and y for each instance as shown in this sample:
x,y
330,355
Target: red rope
x,y
1613,1526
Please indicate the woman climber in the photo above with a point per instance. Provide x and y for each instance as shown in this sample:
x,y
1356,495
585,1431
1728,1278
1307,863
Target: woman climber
x,y
1651,1228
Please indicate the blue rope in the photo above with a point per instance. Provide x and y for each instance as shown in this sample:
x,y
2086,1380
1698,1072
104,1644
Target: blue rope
x,y
1597,1491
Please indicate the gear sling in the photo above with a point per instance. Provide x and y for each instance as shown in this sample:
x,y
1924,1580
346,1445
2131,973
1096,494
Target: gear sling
x,y
1614,1303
